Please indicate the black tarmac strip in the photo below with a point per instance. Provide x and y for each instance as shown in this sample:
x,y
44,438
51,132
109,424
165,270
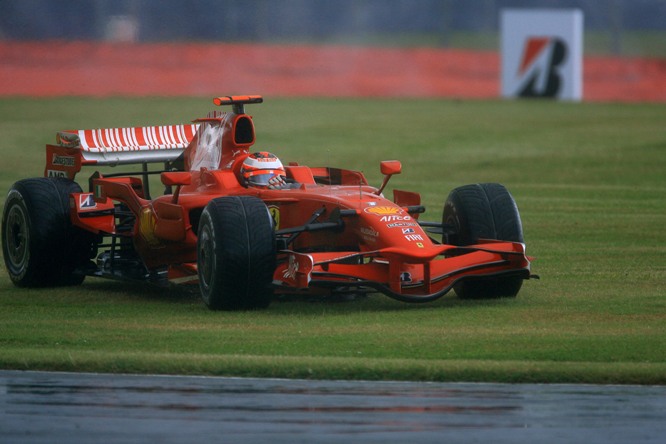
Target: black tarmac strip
x,y
44,407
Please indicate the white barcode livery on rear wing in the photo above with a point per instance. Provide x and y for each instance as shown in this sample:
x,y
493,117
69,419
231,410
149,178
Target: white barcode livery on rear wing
x,y
116,146
130,145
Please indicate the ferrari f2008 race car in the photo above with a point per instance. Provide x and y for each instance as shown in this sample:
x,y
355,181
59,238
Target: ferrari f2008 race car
x,y
244,226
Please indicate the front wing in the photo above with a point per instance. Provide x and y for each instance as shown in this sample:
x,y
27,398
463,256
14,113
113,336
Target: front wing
x,y
398,274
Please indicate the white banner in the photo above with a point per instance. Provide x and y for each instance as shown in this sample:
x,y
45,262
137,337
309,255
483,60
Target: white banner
x,y
542,53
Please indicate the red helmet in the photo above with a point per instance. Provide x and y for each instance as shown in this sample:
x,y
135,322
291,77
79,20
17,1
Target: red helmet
x,y
264,170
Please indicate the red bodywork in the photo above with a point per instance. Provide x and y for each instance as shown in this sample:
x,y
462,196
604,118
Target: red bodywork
x,y
333,229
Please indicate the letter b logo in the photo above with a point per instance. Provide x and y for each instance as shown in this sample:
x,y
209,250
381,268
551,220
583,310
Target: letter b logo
x,y
539,67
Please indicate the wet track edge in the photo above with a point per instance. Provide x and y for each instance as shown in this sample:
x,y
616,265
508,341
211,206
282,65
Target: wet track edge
x,y
40,407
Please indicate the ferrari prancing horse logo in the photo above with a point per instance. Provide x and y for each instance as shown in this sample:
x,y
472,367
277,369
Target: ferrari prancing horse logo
x,y
274,211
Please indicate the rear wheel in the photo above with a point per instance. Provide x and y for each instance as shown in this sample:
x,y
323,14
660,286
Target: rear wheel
x,y
236,254
40,245
484,211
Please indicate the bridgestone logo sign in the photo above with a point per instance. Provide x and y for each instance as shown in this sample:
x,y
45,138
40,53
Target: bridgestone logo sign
x,y
542,53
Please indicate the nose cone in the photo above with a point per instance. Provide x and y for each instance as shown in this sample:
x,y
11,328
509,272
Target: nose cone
x,y
390,226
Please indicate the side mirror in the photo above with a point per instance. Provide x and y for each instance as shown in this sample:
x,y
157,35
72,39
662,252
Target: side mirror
x,y
388,169
171,178
177,178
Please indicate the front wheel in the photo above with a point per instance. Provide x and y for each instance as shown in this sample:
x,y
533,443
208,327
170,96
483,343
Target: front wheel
x,y
40,245
236,254
484,211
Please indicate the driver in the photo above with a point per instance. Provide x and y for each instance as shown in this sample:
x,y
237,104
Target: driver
x,y
263,170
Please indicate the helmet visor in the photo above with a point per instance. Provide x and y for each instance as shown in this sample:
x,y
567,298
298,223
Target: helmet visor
x,y
265,178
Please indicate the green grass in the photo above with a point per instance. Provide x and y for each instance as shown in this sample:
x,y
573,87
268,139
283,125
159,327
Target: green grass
x,y
627,43
590,184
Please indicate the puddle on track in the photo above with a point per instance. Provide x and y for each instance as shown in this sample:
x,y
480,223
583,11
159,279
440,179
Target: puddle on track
x,y
71,407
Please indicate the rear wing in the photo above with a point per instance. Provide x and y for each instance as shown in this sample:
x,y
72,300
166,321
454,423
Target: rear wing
x,y
116,146
148,144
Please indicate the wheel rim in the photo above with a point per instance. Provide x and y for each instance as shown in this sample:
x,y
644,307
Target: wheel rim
x,y
206,259
17,237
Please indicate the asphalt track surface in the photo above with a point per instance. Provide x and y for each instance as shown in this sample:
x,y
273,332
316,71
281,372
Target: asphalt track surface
x,y
41,407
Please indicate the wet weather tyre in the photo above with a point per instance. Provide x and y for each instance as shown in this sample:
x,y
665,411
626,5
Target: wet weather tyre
x,y
236,254
41,247
484,211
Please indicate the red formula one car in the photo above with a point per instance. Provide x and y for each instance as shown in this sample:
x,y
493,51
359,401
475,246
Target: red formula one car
x,y
244,226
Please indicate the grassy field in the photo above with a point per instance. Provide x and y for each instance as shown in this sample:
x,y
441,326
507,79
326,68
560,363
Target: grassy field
x,y
627,43
590,182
